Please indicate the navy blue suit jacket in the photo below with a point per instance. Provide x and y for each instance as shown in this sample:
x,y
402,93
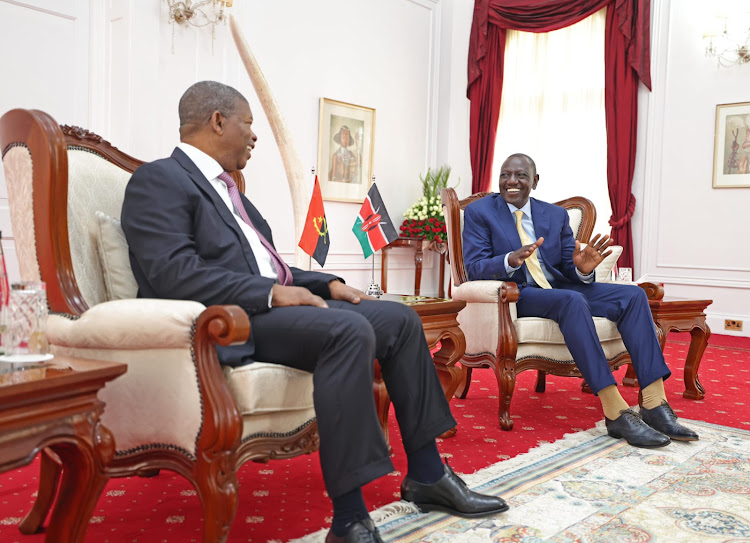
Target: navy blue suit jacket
x,y
490,233
185,244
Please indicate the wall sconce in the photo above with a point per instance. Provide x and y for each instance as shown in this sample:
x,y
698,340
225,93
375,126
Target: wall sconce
x,y
729,40
197,13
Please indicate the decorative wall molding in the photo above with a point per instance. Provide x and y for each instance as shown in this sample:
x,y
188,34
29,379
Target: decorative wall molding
x,y
709,268
433,80
653,146
697,281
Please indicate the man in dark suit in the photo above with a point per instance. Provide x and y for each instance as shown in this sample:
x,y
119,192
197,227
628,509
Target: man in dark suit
x,y
511,237
193,236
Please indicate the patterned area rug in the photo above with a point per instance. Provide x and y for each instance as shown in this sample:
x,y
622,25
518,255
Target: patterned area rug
x,y
590,488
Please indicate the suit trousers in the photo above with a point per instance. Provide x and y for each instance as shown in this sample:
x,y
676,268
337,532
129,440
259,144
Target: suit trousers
x,y
338,346
573,307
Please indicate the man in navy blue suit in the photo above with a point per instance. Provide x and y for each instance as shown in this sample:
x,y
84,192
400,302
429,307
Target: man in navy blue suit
x,y
193,236
509,236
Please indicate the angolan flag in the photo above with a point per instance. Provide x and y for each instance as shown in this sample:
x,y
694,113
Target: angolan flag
x,y
373,227
315,240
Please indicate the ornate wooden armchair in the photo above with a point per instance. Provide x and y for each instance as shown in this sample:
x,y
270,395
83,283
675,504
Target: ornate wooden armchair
x,y
497,338
175,408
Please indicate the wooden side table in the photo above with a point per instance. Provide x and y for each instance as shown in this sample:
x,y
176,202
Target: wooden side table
x,y
681,315
418,246
439,320
56,406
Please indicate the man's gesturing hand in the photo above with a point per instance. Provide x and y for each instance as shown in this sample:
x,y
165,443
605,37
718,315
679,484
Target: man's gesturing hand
x,y
341,291
285,296
516,258
590,257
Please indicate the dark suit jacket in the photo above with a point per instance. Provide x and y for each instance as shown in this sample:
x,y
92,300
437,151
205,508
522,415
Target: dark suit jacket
x,y
185,244
490,232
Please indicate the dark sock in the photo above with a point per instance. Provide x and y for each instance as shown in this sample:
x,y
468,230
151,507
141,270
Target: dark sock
x,y
347,509
425,465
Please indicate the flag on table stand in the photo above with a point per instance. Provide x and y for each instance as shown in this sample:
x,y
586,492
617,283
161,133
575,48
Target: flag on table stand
x,y
373,227
315,240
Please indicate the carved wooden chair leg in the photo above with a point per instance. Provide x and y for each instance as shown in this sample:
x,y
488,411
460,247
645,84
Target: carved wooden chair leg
x,y
585,388
382,401
506,384
463,388
78,493
218,491
50,469
630,380
541,381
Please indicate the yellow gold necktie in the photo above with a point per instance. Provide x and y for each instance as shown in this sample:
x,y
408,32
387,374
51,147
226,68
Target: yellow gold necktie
x,y
532,263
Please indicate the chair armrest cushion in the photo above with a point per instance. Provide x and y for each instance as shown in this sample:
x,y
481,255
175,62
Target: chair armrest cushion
x,y
136,324
478,291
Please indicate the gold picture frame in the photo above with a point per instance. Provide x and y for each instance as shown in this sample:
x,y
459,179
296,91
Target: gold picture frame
x,y
732,146
346,142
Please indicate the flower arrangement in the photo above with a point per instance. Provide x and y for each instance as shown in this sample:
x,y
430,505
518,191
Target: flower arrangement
x,y
424,219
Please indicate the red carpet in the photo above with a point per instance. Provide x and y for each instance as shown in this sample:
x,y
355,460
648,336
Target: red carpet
x,y
285,499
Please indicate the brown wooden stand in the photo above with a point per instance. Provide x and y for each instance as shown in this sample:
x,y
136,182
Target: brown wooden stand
x,y
56,407
417,245
438,318
681,315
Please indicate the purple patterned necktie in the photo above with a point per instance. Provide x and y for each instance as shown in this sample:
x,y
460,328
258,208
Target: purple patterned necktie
x,y
283,272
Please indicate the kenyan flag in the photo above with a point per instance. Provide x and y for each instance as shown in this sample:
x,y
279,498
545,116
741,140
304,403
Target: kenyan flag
x,y
373,227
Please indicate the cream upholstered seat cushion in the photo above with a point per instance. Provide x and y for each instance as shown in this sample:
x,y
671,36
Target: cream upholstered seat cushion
x,y
289,407
539,330
292,388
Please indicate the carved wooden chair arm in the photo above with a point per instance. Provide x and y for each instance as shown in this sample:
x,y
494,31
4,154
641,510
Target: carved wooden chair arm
x,y
654,291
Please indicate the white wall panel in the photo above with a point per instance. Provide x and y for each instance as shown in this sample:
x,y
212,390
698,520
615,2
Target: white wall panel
x,y
690,236
43,65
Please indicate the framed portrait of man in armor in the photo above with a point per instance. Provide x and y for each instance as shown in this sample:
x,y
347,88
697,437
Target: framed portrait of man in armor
x,y
345,150
732,146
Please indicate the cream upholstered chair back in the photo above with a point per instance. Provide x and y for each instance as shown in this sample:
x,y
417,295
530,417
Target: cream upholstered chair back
x,y
94,185
18,180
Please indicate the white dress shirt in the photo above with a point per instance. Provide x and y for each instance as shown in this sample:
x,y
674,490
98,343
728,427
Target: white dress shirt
x,y
211,170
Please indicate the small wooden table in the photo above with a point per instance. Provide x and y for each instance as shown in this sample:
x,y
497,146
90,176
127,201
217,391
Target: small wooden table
x,y
681,315
439,320
56,405
417,245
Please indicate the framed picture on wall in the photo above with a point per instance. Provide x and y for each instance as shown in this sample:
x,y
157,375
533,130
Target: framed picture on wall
x,y
732,146
346,140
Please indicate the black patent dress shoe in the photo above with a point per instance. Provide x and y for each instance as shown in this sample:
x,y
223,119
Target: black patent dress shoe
x,y
362,531
451,495
637,433
663,418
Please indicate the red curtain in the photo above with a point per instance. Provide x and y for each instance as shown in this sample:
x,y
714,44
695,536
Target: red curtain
x,y
627,59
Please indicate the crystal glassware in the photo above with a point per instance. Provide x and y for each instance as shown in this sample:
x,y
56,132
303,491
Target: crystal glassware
x,y
25,319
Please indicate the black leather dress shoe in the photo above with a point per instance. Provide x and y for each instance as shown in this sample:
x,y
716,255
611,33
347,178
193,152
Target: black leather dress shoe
x,y
637,433
451,495
663,418
363,531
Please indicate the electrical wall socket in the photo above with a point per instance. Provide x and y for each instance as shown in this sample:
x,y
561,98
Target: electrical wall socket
x,y
735,325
